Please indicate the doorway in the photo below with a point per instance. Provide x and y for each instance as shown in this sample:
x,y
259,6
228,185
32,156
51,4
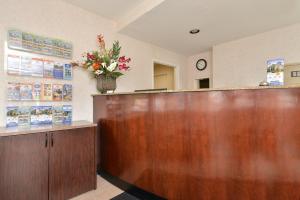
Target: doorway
x,y
164,77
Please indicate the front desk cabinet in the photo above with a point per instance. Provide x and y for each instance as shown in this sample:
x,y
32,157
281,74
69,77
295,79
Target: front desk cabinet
x,y
51,165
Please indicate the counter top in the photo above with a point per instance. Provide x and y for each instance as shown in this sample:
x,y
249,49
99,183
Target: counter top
x,y
13,131
202,90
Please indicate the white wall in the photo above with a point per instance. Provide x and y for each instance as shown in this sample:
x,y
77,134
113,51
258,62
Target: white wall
x,y
193,74
243,62
60,20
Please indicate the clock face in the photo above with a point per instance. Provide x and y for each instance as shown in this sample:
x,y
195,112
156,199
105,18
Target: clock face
x,y
201,64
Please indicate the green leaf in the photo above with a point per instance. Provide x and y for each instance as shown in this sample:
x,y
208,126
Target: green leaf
x,y
116,74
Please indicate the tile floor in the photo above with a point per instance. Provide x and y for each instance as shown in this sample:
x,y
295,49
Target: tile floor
x,y
105,191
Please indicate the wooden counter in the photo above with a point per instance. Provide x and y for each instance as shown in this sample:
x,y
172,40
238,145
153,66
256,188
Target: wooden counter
x,y
212,145
47,162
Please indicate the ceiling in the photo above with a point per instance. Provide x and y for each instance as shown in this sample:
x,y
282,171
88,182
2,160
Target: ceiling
x,y
111,9
167,23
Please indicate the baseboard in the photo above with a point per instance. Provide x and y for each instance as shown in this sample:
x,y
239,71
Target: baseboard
x,y
129,188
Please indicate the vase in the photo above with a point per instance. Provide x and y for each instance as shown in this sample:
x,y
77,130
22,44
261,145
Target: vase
x,y
105,84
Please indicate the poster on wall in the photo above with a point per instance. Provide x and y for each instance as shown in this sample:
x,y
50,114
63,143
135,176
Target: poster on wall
x,y
24,41
275,72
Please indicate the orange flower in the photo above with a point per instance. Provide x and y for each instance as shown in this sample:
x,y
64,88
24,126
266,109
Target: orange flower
x,y
96,66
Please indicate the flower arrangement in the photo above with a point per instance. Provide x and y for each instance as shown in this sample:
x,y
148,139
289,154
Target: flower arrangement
x,y
106,62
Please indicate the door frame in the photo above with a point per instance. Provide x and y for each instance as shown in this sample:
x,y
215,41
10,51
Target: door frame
x,y
176,72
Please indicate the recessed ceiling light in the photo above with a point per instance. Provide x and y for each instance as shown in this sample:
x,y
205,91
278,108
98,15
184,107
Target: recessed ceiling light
x,y
194,31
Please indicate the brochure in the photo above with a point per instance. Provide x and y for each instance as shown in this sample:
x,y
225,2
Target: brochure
x,y
27,41
37,67
275,72
58,115
14,39
25,91
67,114
24,116
38,43
45,116
36,91
47,92
58,71
67,92
47,46
13,91
25,68
57,91
41,115
11,116
67,71
48,68
34,115
13,64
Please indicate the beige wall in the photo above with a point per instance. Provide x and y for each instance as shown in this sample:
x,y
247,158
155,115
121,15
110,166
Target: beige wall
x,y
193,74
243,62
61,20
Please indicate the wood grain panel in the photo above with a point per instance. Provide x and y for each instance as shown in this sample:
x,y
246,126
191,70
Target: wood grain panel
x,y
224,145
24,167
72,169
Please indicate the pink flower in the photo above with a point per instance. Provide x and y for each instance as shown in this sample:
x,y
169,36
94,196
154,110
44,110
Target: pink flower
x,y
123,67
123,59
90,56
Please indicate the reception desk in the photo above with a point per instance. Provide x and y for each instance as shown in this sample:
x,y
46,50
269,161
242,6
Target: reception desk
x,y
231,144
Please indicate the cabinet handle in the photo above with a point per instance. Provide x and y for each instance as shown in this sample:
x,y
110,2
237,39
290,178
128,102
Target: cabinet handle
x,y
46,141
52,140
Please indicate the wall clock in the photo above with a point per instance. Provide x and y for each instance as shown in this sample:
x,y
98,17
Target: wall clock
x,y
201,64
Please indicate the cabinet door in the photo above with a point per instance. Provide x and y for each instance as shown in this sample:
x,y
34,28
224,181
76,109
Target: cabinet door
x,y
72,168
24,167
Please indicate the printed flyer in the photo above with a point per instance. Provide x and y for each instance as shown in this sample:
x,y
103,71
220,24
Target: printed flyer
x,y
275,72
37,67
13,64
67,71
48,68
67,92
11,116
37,91
57,91
25,92
27,41
47,92
35,115
67,114
58,71
14,39
24,116
13,91
58,115
25,68
45,116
